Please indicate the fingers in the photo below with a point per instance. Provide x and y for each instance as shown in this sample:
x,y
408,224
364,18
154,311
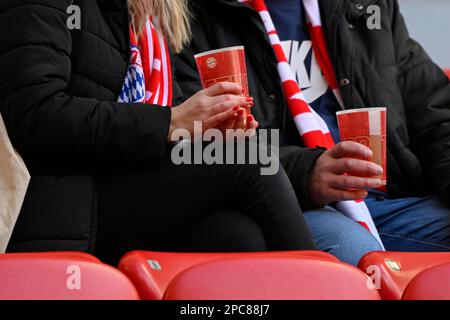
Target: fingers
x,y
355,167
241,120
221,113
346,195
223,88
249,127
252,123
228,124
239,100
350,149
349,182
222,107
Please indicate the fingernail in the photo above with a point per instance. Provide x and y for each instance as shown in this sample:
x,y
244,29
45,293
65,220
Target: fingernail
x,y
374,183
236,108
241,112
249,99
250,118
376,169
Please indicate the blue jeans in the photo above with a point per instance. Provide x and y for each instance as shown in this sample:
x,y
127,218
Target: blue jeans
x,y
409,224
340,236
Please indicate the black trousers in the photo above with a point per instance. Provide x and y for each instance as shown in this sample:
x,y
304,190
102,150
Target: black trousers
x,y
195,208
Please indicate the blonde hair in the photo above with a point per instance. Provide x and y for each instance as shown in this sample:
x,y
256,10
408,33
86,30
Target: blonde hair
x,y
171,17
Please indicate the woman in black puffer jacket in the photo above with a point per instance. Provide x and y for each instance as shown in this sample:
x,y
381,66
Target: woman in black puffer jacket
x,y
102,177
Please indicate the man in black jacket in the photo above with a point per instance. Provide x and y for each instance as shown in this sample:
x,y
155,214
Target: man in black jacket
x,y
374,67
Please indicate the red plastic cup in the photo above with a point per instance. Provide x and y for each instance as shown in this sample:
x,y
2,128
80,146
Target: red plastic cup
x,y
368,127
223,65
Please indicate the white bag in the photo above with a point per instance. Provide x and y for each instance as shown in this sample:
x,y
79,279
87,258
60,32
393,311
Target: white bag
x,y
14,179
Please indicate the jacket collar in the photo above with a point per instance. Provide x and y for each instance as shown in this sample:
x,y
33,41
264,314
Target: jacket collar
x,y
328,6
334,10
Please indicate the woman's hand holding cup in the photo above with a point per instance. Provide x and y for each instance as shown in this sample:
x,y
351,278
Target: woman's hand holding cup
x,y
214,107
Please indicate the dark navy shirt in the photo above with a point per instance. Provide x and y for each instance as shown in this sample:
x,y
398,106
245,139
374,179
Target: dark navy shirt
x,y
290,22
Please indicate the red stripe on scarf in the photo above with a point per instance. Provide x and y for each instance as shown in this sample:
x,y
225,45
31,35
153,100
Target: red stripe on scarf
x,y
169,70
322,56
150,53
145,56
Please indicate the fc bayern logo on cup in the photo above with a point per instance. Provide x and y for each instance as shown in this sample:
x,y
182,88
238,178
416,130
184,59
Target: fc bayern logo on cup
x,y
211,63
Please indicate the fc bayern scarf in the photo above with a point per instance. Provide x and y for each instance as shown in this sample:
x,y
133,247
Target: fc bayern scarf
x,y
149,75
311,127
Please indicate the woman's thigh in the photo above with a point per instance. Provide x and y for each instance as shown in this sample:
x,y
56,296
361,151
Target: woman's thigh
x,y
152,209
224,231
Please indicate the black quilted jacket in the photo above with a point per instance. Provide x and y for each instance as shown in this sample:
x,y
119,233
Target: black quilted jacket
x,y
58,89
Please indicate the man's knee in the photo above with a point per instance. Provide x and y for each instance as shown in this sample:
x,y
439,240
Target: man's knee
x,y
340,236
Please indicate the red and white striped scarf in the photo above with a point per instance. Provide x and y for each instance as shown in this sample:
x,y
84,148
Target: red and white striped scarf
x,y
311,127
149,76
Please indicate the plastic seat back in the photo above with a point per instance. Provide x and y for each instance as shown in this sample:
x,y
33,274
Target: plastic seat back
x,y
430,284
394,270
61,276
271,279
151,272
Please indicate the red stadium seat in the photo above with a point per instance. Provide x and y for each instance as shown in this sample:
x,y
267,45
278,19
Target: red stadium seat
x,y
61,276
431,284
396,269
271,279
151,272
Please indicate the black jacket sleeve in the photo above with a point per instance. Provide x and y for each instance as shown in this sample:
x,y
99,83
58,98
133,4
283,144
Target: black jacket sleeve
x,y
298,164
44,121
426,95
